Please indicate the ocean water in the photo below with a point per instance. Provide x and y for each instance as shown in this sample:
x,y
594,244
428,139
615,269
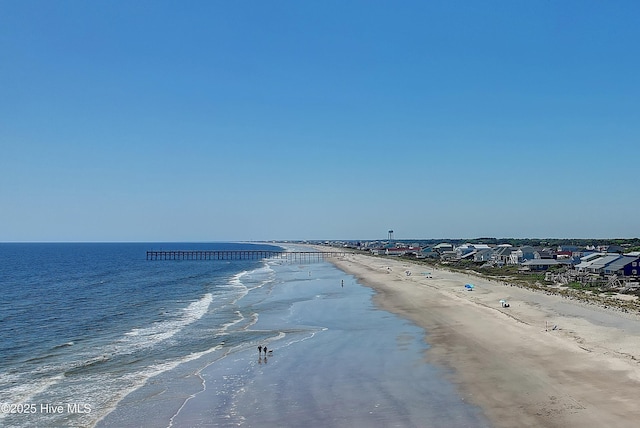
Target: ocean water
x,y
95,335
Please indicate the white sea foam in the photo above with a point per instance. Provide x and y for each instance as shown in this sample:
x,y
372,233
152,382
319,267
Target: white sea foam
x,y
147,337
103,390
225,327
236,280
23,392
246,281
15,389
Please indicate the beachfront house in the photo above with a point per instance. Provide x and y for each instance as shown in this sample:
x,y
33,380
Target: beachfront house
x,y
573,249
628,266
598,266
587,261
468,255
569,248
376,251
396,251
463,250
442,247
448,256
427,253
522,254
538,265
502,254
402,250
446,252
546,253
467,250
483,255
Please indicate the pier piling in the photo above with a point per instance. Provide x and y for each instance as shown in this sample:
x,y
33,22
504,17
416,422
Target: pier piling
x,y
302,256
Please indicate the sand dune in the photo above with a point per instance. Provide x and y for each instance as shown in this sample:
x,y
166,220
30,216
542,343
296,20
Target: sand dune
x,y
544,361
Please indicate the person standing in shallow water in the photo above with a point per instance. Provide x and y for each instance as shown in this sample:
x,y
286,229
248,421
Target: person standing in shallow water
x,y
265,350
259,349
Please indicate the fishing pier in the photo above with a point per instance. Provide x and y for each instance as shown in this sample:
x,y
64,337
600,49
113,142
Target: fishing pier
x,y
292,256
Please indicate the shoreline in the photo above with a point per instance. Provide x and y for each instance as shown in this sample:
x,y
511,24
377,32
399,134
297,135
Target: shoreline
x,y
338,360
544,361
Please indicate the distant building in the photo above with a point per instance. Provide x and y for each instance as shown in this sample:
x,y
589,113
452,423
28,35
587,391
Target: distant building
x,y
615,249
569,248
483,255
502,254
449,255
442,247
467,250
543,264
564,255
395,251
427,253
546,253
522,254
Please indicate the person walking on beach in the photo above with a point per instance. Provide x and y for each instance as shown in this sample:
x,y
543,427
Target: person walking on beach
x,y
265,350
260,349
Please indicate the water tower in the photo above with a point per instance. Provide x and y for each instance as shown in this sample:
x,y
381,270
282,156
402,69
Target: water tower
x,y
390,236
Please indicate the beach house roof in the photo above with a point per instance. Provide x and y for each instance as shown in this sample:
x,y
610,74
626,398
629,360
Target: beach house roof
x,y
469,254
586,262
472,245
485,251
602,262
396,251
591,257
503,251
443,245
616,265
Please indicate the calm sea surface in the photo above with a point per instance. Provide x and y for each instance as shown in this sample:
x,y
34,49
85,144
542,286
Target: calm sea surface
x,y
96,334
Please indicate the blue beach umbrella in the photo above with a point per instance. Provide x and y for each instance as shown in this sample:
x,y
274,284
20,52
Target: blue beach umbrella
x,y
469,286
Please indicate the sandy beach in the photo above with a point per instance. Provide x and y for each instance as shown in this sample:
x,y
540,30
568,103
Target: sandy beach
x,y
544,361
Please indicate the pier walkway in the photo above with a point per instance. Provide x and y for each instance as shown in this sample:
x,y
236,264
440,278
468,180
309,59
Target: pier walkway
x,y
302,256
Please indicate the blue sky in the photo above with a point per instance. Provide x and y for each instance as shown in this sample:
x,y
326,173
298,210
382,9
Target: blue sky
x,y
260,120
